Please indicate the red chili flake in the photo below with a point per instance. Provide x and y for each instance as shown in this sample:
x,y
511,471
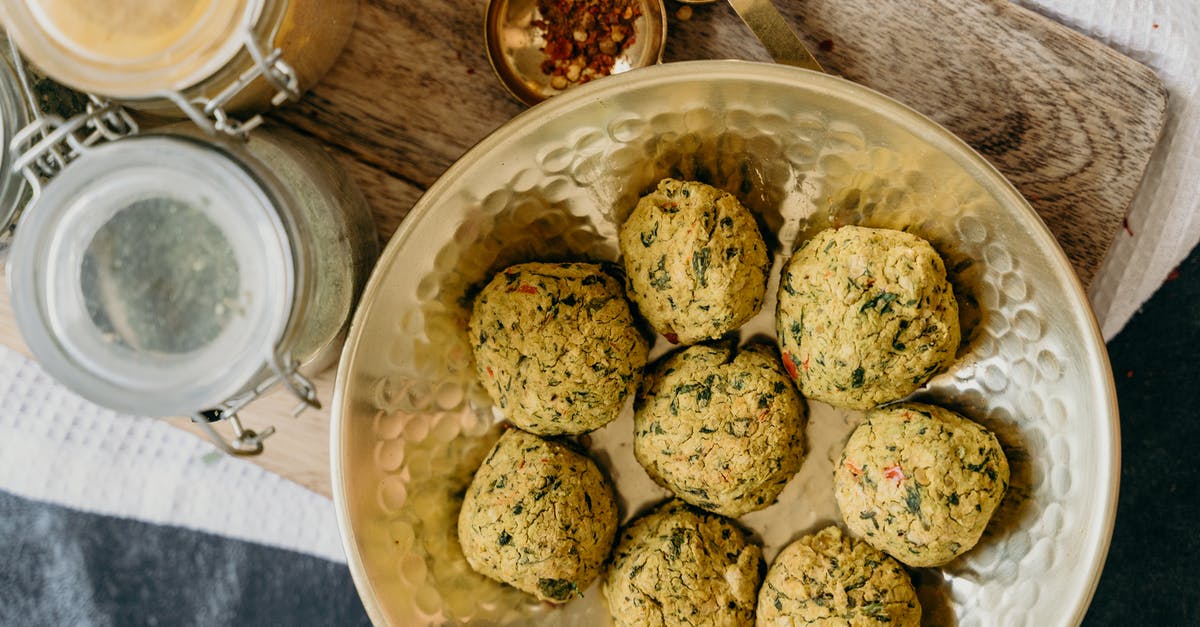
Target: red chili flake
x,y
805,364
789,364
671,337
894,473
490,373
527,289
855,470
1173,274
1125,223
1154,25
826,45
1128,374
584,37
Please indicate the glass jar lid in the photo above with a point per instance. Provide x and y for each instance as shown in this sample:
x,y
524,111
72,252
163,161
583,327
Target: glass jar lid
x,y
154,275
129,49
14,115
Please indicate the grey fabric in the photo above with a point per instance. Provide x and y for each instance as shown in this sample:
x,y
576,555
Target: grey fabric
x,y
1150,577
64,567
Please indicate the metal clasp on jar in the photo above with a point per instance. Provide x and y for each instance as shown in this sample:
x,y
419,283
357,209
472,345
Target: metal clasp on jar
x,y
209,113
247,441
43,147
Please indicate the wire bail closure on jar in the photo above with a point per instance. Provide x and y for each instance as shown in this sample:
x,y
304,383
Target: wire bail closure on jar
x,y
247,441
44,147
209,113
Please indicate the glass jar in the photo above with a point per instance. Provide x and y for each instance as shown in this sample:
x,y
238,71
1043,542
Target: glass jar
x,y
155,55
174,273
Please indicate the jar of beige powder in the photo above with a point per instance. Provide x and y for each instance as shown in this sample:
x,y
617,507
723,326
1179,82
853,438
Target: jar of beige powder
x,y
205,58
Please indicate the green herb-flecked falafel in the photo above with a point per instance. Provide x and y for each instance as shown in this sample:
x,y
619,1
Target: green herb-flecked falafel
x,y
695,261
721,428
865,316
556,347
828,578
682,566
538,516
920,482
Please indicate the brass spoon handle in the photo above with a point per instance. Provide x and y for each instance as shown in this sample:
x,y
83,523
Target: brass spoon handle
x,y
775,34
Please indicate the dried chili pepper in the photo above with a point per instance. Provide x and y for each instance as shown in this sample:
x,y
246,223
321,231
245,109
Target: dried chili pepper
x,y
789,364
584,37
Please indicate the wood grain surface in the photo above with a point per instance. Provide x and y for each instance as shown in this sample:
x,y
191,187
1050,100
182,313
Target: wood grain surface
x,y
1069,121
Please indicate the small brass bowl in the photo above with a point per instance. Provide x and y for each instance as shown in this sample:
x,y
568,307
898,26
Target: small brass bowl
x,y
514,46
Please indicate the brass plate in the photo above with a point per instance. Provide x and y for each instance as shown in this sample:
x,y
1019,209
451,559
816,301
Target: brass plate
x,y
804,151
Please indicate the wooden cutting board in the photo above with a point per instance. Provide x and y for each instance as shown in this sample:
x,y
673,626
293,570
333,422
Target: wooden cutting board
x,y
1068,120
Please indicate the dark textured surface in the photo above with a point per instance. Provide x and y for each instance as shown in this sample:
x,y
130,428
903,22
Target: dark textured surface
x,y
1151,576
61,567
